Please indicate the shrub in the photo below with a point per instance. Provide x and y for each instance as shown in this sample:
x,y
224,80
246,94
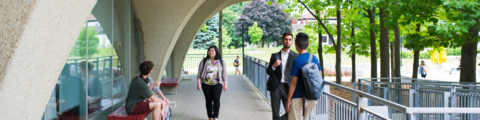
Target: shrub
x,y
347,73
456,52
330,72
407,54
333,73
424,55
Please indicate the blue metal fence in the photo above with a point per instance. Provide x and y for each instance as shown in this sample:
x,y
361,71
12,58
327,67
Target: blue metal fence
x,y
425,101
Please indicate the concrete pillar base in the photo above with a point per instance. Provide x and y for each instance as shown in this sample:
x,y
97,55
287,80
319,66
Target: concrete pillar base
x,y
186,78
169,90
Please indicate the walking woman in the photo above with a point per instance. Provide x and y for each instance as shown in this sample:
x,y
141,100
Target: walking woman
x,y
423,69
211,78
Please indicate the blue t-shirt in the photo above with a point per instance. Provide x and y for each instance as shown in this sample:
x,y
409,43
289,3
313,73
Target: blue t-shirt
x,y
297,65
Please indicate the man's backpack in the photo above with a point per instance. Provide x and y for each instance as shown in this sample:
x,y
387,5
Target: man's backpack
x,y
312,80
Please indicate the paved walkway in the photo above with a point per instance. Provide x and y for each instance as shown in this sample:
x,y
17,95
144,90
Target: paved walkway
x,y
240,102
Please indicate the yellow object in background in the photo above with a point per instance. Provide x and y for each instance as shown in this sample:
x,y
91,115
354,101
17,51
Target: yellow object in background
x,y
439,58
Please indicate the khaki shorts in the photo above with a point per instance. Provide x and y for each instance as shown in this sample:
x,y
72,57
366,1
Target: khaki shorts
x,y
296,109
237,69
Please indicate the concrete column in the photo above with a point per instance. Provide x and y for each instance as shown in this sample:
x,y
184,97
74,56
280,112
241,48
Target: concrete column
x,y
36,37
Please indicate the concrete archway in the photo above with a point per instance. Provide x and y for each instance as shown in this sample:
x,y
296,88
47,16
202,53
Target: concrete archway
x,y
31,66
36,39
201,16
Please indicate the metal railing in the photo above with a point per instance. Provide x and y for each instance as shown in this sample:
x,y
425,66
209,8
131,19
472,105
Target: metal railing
x,y
367,103
102,65
425,93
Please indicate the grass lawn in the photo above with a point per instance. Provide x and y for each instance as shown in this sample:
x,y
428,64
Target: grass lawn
x,y
265,53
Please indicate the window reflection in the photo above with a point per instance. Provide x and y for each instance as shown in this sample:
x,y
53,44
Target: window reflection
x,y
93,83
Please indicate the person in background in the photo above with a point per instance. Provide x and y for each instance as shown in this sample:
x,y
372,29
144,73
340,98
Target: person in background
x,y
236,63
95,88
423,69
455,66
211,78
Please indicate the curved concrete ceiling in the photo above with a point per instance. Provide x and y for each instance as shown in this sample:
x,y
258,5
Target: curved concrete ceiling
x,y
162,22
208,9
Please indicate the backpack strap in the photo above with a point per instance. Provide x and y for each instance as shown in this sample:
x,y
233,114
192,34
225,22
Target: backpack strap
x,y
309,59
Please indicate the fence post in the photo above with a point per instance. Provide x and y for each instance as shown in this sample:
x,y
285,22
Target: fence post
x,y
453,101
412,116
417,99
446,96
370,90
360,84
386,96
354,95
361,102
411,97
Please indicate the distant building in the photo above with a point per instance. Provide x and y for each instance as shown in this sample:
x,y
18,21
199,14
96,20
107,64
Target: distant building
x,y
299,23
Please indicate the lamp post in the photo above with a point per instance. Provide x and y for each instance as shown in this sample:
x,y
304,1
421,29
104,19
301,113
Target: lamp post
x,y
242,20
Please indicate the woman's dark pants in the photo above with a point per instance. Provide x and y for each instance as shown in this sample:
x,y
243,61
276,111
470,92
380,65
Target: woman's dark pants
x,y
212,96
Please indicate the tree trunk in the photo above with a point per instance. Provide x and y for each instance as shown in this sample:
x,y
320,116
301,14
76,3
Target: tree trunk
x,y
468,67
397,52
220,45
236,44
373,44
416,56
320,49
354,69
384,58
392,59
338,50
263,44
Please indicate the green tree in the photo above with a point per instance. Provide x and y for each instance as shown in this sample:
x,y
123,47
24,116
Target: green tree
x,y
204,38
80,47
256,33
333,7
230,14
460,28
225,41
418,15
370,7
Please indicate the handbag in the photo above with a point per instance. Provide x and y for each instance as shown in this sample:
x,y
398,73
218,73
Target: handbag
x,y
269,81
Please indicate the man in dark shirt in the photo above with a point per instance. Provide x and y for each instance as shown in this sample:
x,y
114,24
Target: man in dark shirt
x,y
236,63
139,98
295,104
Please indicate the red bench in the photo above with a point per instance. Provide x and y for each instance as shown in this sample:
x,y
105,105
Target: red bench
x,y
121,114
170,86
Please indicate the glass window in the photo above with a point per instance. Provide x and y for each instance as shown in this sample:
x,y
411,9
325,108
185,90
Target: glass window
x,y
94,80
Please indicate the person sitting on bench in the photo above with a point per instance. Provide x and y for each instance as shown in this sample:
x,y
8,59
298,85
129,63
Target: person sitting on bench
x,y
139,98
156,89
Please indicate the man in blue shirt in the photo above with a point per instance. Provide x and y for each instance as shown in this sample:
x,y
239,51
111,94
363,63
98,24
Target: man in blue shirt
x,y
295,98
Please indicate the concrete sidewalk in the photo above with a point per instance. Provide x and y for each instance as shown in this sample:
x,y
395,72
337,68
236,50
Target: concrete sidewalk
x,y
239,102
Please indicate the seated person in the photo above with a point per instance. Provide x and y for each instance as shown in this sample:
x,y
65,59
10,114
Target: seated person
x,y
139,91
455,64
156,89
